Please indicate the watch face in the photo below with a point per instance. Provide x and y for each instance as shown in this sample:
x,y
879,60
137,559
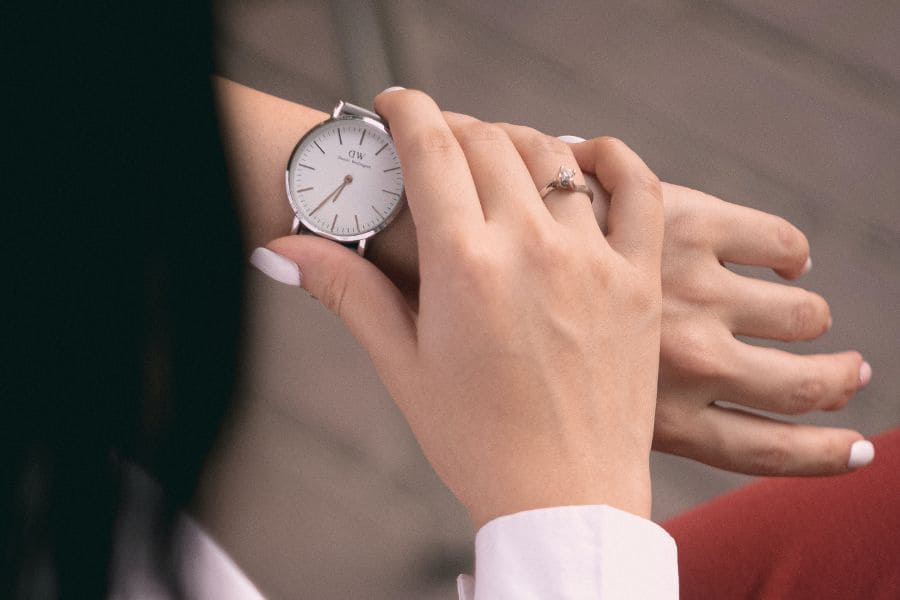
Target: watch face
x,y
344,180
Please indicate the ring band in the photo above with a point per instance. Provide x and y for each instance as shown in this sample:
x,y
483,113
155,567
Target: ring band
x,y
565,180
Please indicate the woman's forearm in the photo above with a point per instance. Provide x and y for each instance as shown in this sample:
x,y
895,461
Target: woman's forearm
x,y
259,131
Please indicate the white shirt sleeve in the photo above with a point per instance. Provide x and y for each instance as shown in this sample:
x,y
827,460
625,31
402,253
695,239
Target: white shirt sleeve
x,y
572,552
565,553
206,570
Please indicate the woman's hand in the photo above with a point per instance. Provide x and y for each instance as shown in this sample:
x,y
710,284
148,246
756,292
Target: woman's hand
x,y
704,306
702,362
528,373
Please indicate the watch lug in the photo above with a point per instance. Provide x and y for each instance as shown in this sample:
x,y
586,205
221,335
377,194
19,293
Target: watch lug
x,y
338,109
361,248
295,226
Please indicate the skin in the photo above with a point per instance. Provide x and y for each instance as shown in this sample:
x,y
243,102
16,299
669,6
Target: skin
x,y
704,304
518,400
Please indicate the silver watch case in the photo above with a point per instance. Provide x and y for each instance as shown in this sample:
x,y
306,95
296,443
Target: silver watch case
x,y
301,224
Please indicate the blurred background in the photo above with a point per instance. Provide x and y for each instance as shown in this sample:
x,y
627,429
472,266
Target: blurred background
x,y
792,108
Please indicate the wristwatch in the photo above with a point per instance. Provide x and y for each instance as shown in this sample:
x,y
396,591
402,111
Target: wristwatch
x,y
343,178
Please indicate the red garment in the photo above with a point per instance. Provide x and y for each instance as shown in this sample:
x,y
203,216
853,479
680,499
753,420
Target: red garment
x,y
819,538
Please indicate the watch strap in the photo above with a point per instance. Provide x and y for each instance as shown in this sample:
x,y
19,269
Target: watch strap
x,y
359,246
346,108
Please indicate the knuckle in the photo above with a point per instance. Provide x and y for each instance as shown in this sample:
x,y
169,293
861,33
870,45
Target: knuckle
x,y
432,140
686,229
548,247
843,398
541,143
472,259
413,96
835,454
512,128
774,457
609,144
692,353
649,183
791,240
479,131
646,299
334,292
704,291
601,271
822,314
804,318
806,395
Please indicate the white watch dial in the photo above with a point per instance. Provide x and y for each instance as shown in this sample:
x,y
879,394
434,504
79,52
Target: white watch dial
x,y
344,179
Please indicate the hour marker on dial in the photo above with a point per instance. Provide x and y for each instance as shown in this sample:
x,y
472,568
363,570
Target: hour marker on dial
x,y
380,149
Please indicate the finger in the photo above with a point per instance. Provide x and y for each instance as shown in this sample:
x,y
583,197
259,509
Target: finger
x,y
543,155
746,443
778,381
600,205
439,187
350,286
769,310
751,237
503,183
635,218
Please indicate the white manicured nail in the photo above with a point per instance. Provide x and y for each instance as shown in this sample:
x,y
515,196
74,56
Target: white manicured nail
x,y
807,266
276,266
865,374
572,139
394,88
861,454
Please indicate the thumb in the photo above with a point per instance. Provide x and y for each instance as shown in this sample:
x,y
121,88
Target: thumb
x,y
371,307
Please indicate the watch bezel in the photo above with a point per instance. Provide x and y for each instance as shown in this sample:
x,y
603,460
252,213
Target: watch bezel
x,y
308,224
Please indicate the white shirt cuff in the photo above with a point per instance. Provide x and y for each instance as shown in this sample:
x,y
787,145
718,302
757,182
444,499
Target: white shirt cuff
x,y
206,570
572,552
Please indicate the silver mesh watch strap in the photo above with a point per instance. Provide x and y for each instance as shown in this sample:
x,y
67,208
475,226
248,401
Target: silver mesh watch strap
x,y
345,108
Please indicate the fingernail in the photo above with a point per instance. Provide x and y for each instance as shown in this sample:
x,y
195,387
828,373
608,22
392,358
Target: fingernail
x,y
276,266
806,266
865,374
572,139
861,453
393,88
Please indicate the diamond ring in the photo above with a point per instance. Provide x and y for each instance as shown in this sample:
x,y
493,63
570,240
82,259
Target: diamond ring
x,y
565,180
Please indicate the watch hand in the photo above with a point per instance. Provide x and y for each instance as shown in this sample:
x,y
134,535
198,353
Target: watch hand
x,y
335,194
341,189
327,198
